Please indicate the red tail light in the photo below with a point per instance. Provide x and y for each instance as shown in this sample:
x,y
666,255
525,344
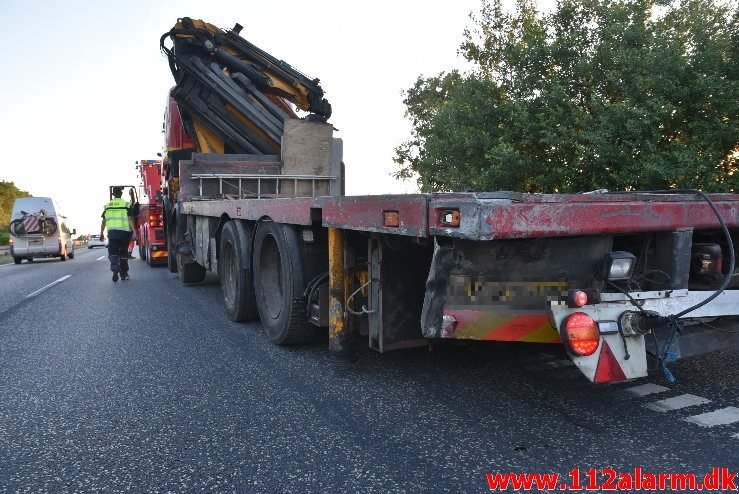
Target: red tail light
x,y
579,298
581,334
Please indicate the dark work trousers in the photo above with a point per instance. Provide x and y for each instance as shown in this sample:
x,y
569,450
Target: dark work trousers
x,y
118,254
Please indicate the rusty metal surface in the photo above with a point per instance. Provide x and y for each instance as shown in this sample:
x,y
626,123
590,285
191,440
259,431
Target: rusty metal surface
x,y
486,217
365,213
293,211
339,341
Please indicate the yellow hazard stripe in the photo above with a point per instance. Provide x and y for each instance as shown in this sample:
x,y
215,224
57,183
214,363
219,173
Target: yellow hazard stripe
x,y
480,325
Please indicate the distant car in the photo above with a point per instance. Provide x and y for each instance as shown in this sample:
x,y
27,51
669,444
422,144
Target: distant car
x,y
94,241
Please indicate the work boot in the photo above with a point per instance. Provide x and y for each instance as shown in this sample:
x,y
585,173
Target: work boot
x,y
115,276
114,263
125,277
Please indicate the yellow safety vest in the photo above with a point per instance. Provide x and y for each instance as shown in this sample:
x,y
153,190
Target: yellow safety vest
x,y
116,215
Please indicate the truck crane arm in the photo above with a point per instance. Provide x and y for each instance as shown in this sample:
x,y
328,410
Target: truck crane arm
x,y
231,94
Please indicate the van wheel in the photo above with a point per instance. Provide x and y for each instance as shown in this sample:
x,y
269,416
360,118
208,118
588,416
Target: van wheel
x,y
71,255
63,257
278,281
17,260
89,247
235,272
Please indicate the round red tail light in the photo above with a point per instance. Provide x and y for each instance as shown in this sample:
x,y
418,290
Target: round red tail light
x,y
582,334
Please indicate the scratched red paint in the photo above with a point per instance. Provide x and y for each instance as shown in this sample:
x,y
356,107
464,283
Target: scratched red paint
x,y
366,213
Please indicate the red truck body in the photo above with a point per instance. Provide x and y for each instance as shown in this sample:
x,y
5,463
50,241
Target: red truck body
x,y
152,241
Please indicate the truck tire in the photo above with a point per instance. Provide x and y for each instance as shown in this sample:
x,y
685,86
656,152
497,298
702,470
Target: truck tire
x,y
71,254
171,260
17,260
63,256
278,282
235,272
171,244
189,270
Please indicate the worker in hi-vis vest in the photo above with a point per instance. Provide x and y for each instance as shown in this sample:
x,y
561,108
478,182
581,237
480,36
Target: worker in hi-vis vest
x,y
118,219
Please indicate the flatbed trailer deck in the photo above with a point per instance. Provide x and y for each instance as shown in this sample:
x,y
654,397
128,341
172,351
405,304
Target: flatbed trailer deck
x,y
486,216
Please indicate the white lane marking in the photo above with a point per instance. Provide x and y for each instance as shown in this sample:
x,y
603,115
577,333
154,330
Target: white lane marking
x,y
723,416
646,389
48,286
100,258
676,403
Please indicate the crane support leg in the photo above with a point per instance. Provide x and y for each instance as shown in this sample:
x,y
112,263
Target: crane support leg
x,y
339,337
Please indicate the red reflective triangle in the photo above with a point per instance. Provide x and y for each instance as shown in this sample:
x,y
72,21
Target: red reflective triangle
x,y
608,370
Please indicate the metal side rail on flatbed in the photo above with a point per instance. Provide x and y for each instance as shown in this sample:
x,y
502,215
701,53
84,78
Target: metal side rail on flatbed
x,y
229,178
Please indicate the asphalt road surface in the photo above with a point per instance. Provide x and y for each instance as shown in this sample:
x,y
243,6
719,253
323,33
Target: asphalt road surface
x,y
146,386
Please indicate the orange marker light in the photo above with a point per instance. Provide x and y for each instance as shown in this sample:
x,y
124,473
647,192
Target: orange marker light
x,y
391,218
449,217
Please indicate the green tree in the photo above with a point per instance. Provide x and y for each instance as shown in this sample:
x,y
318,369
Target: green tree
x,y
631,94
8,193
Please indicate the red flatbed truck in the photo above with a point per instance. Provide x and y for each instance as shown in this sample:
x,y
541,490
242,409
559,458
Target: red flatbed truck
x,y
150,223
610,276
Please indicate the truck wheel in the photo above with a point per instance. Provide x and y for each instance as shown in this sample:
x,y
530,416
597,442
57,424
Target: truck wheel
x,y
235,272
189,271
63,256
171,256
17,260
278,281
171,262
71,255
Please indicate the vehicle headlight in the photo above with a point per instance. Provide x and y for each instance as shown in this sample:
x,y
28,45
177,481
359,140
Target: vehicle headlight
x,y
619,265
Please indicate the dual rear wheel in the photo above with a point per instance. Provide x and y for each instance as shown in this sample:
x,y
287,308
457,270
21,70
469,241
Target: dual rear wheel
x,y
261,274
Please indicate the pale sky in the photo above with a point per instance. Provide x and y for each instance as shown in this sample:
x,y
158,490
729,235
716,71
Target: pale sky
x,y
83,84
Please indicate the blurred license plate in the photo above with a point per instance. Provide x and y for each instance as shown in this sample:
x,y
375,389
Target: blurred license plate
x,y
34,242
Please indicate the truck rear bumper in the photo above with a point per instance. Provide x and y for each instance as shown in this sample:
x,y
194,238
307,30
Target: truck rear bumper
x,y
691,337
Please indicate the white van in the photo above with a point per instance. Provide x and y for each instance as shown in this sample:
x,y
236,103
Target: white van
x,y
39,229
